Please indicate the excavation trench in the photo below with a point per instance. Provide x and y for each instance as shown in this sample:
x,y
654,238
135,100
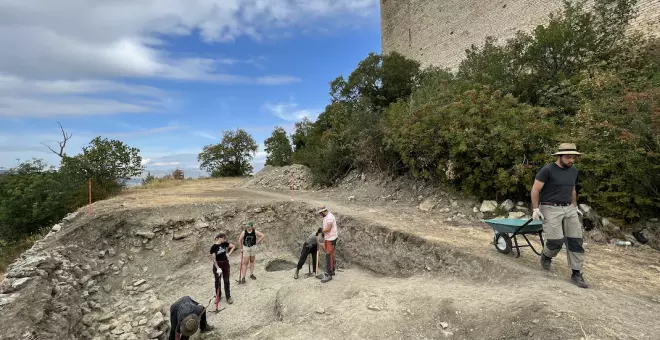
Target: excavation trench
x,y
114,276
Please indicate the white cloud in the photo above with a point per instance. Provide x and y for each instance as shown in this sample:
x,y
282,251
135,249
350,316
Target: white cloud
x,y
95,38
290,111
59,53
206,135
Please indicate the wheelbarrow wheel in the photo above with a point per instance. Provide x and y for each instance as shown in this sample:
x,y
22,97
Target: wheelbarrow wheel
x,y
503,243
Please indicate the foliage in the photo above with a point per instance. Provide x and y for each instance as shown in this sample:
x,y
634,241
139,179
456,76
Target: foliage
x,y
32,196
278,148
487,128
149,179
231,157
454,140
35,196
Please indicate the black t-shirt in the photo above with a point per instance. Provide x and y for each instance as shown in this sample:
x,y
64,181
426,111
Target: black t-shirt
x,y
559,183
220,251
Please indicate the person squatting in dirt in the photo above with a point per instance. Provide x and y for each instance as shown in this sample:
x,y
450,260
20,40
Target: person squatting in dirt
x,y
248,241
186,317
330,235
310,246
554,200
220,252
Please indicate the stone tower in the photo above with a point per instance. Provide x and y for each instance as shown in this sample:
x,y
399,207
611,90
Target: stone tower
x,y
437,32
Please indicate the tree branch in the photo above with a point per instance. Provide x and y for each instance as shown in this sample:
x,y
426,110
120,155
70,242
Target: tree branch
x,y
62,144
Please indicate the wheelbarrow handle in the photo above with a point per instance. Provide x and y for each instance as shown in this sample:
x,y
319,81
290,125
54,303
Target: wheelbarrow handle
x,y
523,226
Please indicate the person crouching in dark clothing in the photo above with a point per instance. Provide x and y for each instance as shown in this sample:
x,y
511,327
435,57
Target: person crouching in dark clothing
x,y
310,246
186,316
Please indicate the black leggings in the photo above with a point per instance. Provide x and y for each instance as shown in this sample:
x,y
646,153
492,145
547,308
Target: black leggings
x,y
224,265
303,257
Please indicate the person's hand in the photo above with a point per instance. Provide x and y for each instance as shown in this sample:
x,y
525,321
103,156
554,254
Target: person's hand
x,y
579,212
219,271
537,214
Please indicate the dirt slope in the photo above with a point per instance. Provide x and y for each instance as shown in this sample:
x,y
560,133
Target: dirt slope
x,y
406,273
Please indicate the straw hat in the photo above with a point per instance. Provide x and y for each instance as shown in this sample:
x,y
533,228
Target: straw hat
x,y
322,209
566,149
189,325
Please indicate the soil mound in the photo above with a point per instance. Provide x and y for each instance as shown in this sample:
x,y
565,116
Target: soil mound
x,y
281,178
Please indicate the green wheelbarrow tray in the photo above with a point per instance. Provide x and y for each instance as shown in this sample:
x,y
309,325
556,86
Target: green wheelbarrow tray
x,y
508,230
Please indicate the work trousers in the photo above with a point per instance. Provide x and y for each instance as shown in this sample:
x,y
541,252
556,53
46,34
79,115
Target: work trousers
x,y
224,265
562,225
330,256
303,256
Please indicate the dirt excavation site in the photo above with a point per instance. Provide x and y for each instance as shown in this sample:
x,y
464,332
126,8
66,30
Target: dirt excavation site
x,y
405,271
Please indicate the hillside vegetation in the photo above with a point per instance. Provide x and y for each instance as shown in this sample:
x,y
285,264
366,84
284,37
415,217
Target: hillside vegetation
x,y
486,128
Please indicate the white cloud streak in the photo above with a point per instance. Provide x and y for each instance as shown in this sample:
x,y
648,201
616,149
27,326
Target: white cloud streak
x,y
290,111
59,53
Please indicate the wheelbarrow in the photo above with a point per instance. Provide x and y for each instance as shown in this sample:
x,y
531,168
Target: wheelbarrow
x,y
507,229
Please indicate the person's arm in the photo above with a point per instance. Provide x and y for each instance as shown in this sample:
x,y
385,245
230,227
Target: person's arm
x,y
260,235
240,240
212,256
231,249
574,198
536,192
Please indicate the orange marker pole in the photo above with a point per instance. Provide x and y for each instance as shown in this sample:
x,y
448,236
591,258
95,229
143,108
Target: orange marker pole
x,y
90,197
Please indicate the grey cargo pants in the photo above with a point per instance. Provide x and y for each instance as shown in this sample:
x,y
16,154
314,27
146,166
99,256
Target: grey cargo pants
x,y
562,225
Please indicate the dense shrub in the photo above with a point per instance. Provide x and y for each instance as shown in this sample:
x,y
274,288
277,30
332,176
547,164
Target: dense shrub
x,y
488,127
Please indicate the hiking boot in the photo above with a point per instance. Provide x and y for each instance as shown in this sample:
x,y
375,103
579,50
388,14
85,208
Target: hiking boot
x,y
208,328
295,276
545,262
230,301
310,274
579,280
252,277
326,279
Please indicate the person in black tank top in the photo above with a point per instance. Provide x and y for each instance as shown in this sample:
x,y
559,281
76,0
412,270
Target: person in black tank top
x,y
248,241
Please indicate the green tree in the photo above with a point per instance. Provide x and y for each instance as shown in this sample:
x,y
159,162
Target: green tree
x,y
32,196
230,157
278,148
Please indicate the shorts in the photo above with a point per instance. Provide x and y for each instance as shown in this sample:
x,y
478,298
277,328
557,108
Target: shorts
x,y
250,251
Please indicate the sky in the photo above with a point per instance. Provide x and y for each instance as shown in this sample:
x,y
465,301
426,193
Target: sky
x,y
169,76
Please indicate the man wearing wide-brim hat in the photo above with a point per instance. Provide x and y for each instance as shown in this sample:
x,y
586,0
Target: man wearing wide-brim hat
x,y
554,200
186,317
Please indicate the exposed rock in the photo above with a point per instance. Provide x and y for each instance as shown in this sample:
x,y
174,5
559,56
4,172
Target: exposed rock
x,y
201,224
56,227
146,234
19,283
6,299
516,214
374,308
427,205
508,205
178,235
488,206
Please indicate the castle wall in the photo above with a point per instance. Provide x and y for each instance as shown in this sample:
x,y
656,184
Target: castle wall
x,y
437,32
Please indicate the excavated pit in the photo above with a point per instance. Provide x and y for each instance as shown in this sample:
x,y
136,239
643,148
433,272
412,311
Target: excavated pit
x,y
279,265
114,276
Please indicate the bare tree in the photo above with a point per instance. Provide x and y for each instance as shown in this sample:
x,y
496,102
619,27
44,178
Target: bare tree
x,y
62,143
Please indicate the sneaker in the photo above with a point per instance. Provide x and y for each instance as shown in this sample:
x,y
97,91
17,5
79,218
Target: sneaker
x,y
579,280
252,277
295,276
545,262
230,301
326,279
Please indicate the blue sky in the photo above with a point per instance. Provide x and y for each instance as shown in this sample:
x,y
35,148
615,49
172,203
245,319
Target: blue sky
x,y
169,76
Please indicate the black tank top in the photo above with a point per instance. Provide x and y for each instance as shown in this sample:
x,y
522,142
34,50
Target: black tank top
x,y
250,238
